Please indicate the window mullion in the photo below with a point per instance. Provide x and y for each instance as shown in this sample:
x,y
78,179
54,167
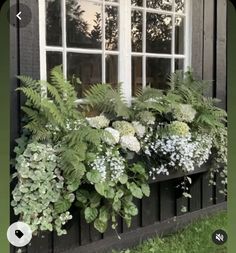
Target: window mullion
x,y
144,69
173,39
125,48
103,42
64,42
42,42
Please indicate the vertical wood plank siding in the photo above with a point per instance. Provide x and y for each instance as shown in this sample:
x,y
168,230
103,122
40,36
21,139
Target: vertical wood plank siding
x,y
159,212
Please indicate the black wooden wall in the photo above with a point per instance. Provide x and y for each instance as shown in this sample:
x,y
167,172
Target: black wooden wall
x,y
161,212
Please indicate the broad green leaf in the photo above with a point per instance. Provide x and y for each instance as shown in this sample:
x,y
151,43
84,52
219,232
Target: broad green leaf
x,y
62,205
145,189
94,176
123,179
100,225
135,190
90,214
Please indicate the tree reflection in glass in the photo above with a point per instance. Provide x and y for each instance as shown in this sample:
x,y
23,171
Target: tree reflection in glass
x,y
53,21
159,30
179,6
111,25
160,4
84,24
137,2
137,30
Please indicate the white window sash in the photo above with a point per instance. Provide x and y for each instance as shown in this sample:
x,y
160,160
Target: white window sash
x,y
125,48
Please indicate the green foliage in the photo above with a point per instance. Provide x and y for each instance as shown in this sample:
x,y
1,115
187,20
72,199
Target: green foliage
x,y
40,196
105,99
55,111
101,164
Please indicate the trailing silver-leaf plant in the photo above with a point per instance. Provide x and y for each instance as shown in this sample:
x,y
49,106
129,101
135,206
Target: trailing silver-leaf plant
x,y
40,196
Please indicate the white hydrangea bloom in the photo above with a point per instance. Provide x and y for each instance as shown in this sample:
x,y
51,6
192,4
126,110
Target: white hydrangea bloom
x,y
139,128
114,136
185,112
98,121
130,142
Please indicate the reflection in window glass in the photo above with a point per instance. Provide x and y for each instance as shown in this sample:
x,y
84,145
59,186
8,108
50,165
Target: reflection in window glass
x,y
112,70
179,35
53,59
159,29
158,71
53,23
84,24
137,2
160,4
179,6
137,30
112,31
87,67
179,64
136,74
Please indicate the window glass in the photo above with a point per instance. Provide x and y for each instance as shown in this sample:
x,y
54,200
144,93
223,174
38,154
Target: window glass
x,y
53,59
137,30
179,64
179,35
160,4
158,71
136,74
179,6
85,66
111,21
53,23
84,24
112,69
137,2
159,33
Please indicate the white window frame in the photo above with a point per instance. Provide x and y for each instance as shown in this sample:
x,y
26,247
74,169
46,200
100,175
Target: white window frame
x,y
124,51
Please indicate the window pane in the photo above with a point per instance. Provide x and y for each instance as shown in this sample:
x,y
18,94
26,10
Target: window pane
x,y
53,23
179,35
158,71
136,74
179,6
160,4
179,64
84,24
159,29
137,2
53,59
112,69
112,30
137,30
87,67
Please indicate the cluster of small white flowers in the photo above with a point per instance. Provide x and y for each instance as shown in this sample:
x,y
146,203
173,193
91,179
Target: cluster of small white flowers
x,y
202,149
139,129
157,171
113,137
111,165
98,121
130,142
180,151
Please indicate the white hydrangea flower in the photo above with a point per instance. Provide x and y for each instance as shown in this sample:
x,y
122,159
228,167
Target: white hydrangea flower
x,y
185,112
139,129
114,136
130,142
98,121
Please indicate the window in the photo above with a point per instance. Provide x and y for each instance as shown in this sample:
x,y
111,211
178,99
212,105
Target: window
x,y
134,42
